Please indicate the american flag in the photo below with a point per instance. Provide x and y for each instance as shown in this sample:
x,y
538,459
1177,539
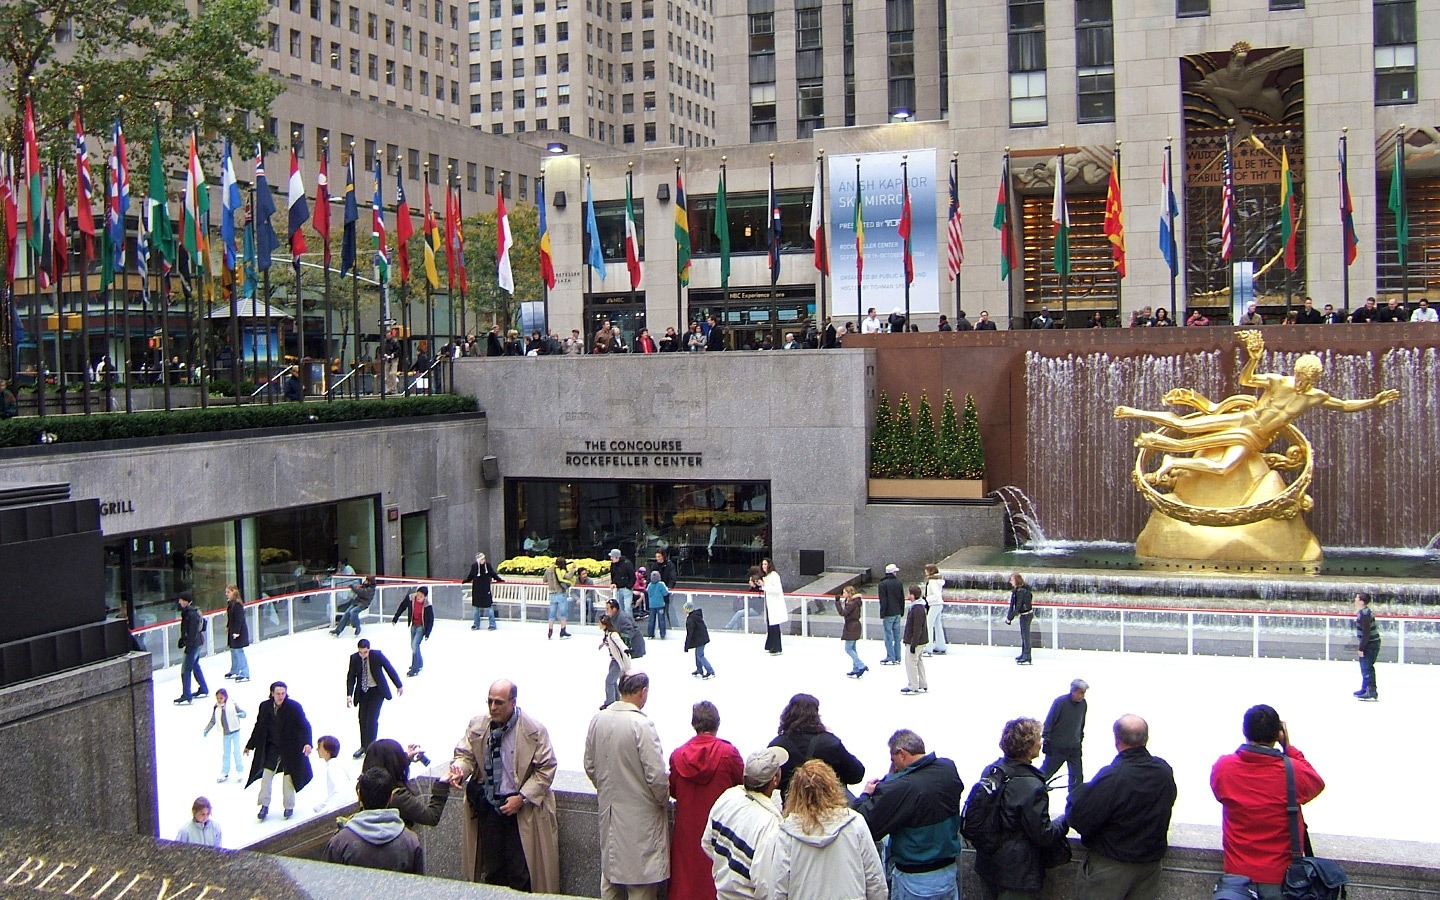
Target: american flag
x,y
1227,208
956,248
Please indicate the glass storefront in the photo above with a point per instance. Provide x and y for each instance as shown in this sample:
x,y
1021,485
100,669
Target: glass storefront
x,y
751,315
712,531
273,553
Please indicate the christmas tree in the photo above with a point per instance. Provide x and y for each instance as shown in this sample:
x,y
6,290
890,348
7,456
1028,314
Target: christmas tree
x,y
972,454
925,453
949,443
881,438
903,441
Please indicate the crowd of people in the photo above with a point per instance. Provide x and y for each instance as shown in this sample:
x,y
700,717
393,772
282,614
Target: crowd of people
x,y
797,818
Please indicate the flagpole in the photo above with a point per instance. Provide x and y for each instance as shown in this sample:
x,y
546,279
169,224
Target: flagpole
x,y
454,182
329,321
1228,174
56,296
198,266
1404,207
429,292
586,238
1344,191
820,312
629,193
955,177
772,237
237,355
1294,227
859,253
905,241
1065,224
84,263
725,280
1170,217
38,322
450,176
379,210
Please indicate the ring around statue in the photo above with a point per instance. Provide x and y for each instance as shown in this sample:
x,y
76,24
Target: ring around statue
x,y
1217,494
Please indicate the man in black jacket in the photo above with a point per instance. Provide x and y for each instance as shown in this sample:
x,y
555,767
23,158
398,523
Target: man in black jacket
x,y
918,806
422,620
366,688
361,596
192,641
1064,733
622,577
281,743
1123,817
892,607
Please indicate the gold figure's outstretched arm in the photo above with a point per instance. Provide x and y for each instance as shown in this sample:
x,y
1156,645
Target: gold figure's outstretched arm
x,y
1380,399
1254,343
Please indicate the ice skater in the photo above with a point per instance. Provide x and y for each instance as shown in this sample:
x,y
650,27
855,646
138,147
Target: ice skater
x,y
1022,607
851,606
1367,647
228,717
916,636
696,637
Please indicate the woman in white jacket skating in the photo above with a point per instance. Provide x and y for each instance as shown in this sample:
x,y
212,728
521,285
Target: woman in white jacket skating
x,y
822,848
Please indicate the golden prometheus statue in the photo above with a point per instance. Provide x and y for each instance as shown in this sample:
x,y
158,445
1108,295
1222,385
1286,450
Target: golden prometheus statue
x,y
1217,493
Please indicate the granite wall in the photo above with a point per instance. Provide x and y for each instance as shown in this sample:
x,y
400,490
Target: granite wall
x,y
800,420
80,748
430,464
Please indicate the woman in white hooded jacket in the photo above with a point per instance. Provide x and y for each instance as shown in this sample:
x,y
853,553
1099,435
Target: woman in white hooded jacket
x,y
776,613
822,848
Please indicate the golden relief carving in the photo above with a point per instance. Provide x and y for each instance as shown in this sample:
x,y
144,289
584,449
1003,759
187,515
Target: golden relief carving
x,y
1218,492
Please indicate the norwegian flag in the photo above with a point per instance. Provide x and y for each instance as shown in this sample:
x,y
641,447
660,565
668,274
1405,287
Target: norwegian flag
x,y
1227,208
84,187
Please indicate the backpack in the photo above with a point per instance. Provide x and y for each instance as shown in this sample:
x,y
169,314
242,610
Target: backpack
x,y
982,821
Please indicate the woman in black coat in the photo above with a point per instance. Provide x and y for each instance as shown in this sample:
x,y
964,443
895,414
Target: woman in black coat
x,y
805,737
1022,607
481,576
1031,843
237,634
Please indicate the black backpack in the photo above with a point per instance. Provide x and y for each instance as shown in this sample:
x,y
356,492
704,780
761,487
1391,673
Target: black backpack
x,y
982,820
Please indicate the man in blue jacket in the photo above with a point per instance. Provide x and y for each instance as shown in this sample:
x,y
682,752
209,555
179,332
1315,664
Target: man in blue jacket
x,y
918,807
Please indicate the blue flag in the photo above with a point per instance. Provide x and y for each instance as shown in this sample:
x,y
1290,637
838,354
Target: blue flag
x,y
266,240
595,257
16,327
229,204
352,215
1168,211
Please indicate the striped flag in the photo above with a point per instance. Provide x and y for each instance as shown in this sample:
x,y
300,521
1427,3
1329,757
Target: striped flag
x,y
230,203
117,200
299,212
1115,217
1060,218
351,216
1227,207
431,239
817,222
1002,222
1350,240
504,276
462,271
84,186
547,258
45,254
632,240
1287,211
452,227
955,244
194,224
682,231
34,187
1169,210
859,226
161,233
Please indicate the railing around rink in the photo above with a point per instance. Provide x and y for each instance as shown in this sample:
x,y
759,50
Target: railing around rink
x,y
974,622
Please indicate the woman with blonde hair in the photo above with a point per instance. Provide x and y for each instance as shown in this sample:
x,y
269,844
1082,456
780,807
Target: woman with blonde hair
x,y
851,607
822,848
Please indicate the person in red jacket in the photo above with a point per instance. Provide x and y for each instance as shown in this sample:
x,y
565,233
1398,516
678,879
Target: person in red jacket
x,y
1250,785
701,770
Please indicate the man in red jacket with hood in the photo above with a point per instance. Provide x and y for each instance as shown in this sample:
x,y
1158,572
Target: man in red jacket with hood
x,y
1250,785
701,770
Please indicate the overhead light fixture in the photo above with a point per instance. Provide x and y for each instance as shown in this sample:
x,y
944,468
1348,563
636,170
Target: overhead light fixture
x,y
900,115
556,147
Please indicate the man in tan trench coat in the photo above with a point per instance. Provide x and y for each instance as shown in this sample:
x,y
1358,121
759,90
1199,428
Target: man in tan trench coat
x,y
625,763
512,835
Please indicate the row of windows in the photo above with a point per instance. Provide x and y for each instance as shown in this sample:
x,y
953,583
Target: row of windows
x,y
517,36
517,8
1094,62
1187,8
316,13
402,76
540,66
520,126
415,167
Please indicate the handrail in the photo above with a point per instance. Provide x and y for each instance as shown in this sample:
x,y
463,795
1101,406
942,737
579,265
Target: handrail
x,y
347,377
973,621
424,374
271,380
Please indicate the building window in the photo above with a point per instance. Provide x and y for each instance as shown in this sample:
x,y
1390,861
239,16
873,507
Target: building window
x,y
517,98
562,31
807,28
517,37
297,138
489,179
390,32
1395,52
562,95
471,174
294,43
650,132
541,65
627,133
1027,62
372,26
517,68
900,55
809,107
497,40
563,123
1278,5
1094,61
354,20
1187,8
542,97
334,55
762,113
539,34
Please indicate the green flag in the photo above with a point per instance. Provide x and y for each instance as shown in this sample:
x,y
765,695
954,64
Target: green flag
x,y
1397,202
162,234
722,231
107,261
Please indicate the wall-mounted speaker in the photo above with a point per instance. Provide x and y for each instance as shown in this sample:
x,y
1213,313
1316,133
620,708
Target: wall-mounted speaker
x,y
489,470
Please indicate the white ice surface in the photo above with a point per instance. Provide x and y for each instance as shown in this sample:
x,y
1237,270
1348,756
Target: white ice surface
x,y
1194,706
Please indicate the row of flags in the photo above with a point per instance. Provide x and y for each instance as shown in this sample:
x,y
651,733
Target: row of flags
x,y
47,217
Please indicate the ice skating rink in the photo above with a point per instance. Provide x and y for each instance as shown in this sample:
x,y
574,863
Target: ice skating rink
x,y
1193,704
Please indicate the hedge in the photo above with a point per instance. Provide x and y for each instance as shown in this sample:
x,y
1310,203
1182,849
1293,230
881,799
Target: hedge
x,y
74,429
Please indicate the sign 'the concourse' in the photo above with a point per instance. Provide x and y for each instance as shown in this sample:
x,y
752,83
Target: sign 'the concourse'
x,y
622,453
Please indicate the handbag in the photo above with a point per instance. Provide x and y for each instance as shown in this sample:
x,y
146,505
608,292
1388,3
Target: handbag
x,y
1309,877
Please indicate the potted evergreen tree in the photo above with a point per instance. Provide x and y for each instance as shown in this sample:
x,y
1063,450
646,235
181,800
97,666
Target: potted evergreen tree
x,y
909,460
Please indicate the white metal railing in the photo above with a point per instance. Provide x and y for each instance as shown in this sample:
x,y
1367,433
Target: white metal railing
x,y
1186,632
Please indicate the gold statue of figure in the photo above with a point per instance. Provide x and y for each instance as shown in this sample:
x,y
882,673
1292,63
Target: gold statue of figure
x,y
1227,500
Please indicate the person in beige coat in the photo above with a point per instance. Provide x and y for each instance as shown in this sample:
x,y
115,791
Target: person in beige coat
x,y
522,810
624,761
